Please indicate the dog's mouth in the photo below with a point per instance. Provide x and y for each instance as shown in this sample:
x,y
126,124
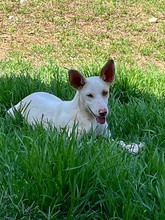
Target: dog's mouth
x,y
99,119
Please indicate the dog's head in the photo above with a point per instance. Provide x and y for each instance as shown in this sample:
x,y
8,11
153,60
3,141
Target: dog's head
x,y
94,91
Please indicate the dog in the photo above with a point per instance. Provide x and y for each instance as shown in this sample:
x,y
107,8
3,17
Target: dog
x,y
86,111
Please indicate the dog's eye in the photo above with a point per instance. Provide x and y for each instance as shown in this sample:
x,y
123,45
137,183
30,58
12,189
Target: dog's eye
x,y
90,95
104,93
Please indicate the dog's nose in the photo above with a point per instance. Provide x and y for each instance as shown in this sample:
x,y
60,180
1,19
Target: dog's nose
x,y
102,112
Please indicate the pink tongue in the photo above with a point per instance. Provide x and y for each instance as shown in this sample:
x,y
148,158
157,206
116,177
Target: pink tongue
x,y
100,120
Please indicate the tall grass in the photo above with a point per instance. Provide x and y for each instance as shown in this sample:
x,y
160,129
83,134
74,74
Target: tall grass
x,y
46,175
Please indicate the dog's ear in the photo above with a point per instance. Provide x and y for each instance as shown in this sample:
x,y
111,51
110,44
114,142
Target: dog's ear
x,y
76,79
108,72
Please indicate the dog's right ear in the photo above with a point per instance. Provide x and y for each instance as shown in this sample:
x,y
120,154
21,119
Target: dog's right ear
x,y
108,71
76,79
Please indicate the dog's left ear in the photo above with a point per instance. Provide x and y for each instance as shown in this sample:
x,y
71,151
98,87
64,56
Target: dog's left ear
x,y
76,79
108,72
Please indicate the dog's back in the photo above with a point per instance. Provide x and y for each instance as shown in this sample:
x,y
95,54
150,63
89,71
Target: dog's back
x,y
87,110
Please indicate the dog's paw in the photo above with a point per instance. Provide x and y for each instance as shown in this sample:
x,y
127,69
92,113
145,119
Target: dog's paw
x,y
133,147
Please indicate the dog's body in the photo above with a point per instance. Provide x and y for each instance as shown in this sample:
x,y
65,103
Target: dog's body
x,y
86,111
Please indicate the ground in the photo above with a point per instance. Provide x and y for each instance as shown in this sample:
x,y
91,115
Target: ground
x,y
71,32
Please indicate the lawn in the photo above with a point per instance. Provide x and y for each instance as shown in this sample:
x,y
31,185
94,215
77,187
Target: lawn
x,y
43,173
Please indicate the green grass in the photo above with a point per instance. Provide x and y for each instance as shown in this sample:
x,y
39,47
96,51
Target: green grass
x,y
46,175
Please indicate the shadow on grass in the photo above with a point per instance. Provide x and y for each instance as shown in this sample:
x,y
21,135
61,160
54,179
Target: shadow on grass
x,y
13,87
137,116
46,175
134,114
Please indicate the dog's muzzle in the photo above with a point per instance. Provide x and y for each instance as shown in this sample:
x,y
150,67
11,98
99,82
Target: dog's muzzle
x,y
101,117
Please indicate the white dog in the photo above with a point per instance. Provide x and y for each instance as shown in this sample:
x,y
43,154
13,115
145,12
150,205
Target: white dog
x,y
87,111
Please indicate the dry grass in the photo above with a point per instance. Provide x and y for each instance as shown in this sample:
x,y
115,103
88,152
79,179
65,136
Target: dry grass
x,y
71,32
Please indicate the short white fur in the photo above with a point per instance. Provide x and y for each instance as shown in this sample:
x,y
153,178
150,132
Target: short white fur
x,y
87,110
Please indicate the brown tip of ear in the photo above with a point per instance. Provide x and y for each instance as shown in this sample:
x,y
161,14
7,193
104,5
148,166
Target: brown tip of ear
x,y
108,71
77,80
111,60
